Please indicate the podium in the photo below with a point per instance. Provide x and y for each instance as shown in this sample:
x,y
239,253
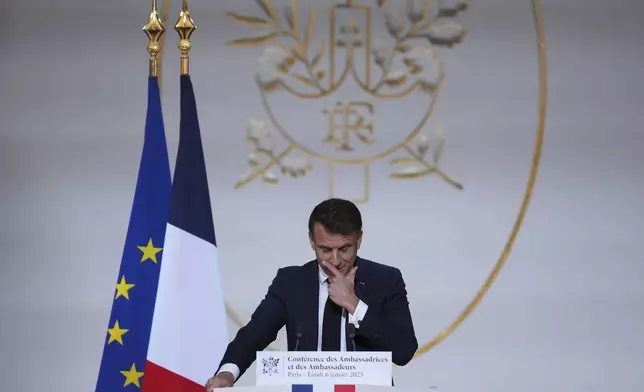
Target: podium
x,y
326,371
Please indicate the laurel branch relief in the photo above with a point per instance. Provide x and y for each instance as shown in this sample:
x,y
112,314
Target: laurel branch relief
x,y
407,63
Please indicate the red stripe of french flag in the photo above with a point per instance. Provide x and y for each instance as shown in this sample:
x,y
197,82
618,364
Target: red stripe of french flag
x,y
344,388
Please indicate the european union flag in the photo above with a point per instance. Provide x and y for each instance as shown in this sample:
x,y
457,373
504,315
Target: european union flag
x,y
128,333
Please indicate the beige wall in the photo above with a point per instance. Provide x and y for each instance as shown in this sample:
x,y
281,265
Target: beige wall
x,y
565,313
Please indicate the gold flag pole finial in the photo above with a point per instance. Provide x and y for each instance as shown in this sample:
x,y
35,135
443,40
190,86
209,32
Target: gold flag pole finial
x,y
154,30
185,26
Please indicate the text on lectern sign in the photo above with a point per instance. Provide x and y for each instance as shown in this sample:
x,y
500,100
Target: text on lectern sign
x,y
314,367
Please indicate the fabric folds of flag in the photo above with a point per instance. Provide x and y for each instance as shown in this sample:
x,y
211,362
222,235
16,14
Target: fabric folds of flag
x,y
189,334
126,345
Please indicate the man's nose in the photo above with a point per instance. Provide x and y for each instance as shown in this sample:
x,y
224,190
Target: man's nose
x,y
335,260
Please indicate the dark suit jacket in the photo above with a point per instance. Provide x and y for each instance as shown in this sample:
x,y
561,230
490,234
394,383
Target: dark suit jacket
x,y
292,300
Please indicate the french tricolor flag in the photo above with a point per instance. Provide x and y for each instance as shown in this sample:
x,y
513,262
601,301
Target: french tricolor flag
x,y
322,388
189,333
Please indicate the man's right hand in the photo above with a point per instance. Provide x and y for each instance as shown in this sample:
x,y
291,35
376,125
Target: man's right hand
x,y
221,380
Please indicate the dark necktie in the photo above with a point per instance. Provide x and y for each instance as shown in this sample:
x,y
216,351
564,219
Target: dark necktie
x,y
331,326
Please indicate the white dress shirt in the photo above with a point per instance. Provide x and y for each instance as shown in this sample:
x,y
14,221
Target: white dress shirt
x,y
355,319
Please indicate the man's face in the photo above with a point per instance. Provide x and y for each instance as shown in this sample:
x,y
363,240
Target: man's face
x,y
338,250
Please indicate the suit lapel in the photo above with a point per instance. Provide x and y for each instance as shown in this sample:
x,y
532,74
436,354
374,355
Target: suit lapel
x,y
311,295
360,286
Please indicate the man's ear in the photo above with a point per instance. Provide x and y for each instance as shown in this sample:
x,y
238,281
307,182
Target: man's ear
x,y
359,242
311,241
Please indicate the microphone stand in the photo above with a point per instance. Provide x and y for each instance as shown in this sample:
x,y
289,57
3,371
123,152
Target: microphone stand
x,y
351,331
299,335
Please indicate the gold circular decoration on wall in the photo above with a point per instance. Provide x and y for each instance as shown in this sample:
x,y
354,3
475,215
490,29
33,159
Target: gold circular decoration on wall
x,y
313,77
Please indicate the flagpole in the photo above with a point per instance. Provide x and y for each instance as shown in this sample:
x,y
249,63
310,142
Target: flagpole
x,y
154,30
165,10
185,26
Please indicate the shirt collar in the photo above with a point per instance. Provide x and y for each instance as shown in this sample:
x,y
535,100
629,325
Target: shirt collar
x,y
322,275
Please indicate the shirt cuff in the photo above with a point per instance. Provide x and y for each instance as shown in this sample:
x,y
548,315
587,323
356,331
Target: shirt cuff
x,y
358,315
230,367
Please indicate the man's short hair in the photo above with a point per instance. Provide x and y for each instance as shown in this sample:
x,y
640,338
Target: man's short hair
x,y
338,216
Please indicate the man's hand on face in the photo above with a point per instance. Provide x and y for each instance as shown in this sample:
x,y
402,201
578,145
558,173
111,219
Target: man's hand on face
x,y
221,380
341,288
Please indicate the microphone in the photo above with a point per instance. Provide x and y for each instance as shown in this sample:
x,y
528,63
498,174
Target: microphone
x,y
298,333
351,331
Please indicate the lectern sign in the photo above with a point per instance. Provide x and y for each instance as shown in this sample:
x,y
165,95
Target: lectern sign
x,y
315,367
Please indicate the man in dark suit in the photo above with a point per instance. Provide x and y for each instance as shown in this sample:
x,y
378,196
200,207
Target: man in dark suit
x,y
317,301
